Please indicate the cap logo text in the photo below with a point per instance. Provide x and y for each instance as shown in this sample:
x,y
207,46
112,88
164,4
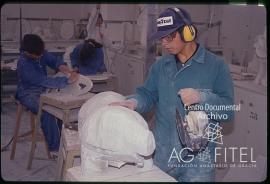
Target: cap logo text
x,y
164,21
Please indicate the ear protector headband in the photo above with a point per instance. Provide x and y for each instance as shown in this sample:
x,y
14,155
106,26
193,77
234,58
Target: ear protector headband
x,y
188,32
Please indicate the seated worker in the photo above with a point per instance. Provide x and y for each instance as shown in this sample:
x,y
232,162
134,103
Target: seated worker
x,y
33,80
87,58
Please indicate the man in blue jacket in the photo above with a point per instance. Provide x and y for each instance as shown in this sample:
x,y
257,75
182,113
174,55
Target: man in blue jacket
x,y
189,75
33,80
87,58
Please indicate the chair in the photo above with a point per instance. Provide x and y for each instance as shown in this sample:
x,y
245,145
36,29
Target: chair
x,y
65,109
16,136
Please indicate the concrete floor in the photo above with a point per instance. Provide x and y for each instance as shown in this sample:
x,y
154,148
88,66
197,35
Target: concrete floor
x,y
15,170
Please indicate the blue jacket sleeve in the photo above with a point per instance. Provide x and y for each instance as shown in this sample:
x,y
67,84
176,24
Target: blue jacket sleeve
x,y
100,59
147,95
222,95
35,77
74,56
53,61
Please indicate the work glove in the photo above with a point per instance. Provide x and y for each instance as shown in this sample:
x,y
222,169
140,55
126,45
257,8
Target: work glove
x,y
189,96
130,103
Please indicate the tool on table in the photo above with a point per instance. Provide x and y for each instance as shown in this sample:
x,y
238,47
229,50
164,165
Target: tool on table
x,y
80,87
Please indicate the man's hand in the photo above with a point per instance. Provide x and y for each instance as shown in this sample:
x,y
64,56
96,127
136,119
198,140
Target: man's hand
x,y
131,103
64,69
74,76
189,96
76,69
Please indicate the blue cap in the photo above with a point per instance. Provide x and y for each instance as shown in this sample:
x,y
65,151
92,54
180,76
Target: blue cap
x,y
169,21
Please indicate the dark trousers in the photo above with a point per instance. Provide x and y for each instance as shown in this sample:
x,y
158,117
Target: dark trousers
x,y
50,125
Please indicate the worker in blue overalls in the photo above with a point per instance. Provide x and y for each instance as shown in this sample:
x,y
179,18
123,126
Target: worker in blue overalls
x,y
87,58
33,80
189,75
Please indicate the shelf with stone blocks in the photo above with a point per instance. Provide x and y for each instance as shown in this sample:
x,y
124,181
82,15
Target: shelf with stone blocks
x,y
12,42
40,19
12,47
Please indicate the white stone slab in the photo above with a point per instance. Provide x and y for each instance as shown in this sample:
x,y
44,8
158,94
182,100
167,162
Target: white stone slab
x,y
127,173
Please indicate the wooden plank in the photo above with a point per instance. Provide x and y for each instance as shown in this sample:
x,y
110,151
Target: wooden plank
x,y
59,113
65,101
71,140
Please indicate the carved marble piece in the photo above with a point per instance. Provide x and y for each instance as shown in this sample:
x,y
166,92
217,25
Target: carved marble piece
x,y
80,87
113,135
96,102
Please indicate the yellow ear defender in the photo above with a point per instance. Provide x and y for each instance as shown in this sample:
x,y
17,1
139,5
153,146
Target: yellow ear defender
x,y
188,32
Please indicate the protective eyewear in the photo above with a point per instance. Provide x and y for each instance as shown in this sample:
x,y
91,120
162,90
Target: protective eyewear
x,y
170,37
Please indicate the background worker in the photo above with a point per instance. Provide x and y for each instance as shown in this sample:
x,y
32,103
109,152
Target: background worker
x,y
87,58
33,81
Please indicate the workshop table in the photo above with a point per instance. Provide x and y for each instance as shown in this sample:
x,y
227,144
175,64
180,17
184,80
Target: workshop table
x,y
62,106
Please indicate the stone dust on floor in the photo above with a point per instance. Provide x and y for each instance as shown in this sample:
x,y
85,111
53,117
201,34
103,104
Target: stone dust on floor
x,y
16,170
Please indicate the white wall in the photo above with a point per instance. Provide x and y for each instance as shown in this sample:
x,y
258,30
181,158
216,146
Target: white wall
x,y
68,11
118,18
10,28
240,25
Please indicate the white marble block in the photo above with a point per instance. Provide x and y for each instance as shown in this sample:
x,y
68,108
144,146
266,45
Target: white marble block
x,y
96,102
113,136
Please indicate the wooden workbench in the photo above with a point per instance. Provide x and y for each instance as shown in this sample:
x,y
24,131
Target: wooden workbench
x,y
63,106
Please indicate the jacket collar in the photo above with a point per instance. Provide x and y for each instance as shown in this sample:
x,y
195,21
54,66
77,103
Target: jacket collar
x,y
170,63
25,57
198,56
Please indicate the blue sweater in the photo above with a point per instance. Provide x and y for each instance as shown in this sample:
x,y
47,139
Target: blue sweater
x,y
32,75
94,64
